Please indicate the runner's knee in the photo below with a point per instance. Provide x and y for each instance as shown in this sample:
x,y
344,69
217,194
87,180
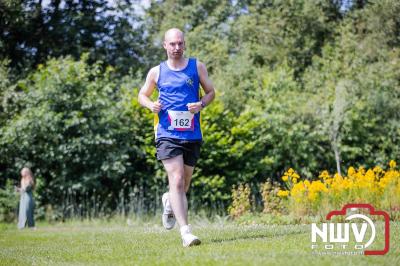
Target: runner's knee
x,y
177,183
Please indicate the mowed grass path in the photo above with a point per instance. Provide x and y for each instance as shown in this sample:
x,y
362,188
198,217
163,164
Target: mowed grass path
x,y
149,244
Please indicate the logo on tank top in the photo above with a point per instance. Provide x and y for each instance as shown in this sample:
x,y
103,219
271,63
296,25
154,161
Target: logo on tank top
x,y
189,82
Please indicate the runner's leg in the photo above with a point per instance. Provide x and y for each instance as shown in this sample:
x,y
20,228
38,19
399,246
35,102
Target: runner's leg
x,y
177,195
188,176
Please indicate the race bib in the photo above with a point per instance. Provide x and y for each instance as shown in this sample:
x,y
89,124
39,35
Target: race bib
x,y
180,120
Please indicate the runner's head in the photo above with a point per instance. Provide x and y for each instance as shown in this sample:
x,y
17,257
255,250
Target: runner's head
x,y
174,43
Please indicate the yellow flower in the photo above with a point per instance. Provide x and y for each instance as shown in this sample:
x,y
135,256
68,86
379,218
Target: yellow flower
x,y
361,170
328,181
283,193
351,171
290,171
370,176
294,180
392,164
315,190
298,191
324,174
285,178
377,169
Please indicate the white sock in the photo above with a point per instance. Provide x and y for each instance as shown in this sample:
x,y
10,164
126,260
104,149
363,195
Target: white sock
x,y
185,229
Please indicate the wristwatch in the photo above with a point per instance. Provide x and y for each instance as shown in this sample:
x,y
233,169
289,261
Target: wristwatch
x,y
202,104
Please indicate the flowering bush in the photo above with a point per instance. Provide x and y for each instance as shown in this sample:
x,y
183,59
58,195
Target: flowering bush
x,y
272,204
375,186
240,201
300,197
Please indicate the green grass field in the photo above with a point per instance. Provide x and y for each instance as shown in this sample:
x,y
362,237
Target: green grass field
x,y
223,243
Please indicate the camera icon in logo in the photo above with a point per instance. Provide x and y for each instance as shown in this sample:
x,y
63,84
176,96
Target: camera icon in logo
x,y
367,219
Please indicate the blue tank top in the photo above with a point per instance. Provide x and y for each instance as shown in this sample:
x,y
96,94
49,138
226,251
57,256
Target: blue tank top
x,y
177,89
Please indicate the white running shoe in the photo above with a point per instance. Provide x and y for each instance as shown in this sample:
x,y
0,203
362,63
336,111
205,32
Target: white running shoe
x,y
188,239
168,217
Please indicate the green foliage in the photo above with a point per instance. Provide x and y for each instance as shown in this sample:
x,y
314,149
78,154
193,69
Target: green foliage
x,y
360,76
74,131
240,201
271,203
34,30
4,85
8,202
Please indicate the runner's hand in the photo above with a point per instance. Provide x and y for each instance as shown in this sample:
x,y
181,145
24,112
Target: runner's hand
x,y
194,107
156,107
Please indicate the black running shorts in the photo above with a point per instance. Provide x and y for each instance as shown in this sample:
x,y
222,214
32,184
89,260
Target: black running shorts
x,y
168,148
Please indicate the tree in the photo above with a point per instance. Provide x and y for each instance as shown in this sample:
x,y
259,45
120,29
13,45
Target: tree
x,y
31,32
359,95
75,133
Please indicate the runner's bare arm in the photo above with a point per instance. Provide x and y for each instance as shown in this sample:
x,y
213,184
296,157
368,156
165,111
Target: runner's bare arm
x,y
207,86
147,89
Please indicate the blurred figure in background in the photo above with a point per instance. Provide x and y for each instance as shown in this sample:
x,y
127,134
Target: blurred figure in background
x,y
26,203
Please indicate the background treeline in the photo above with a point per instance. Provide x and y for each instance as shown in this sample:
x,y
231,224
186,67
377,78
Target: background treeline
x,y
308,84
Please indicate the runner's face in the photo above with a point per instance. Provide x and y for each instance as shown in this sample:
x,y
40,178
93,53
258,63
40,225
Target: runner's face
x,y
174,44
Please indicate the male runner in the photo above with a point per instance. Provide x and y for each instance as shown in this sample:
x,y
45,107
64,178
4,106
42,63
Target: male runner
x,y
177,124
